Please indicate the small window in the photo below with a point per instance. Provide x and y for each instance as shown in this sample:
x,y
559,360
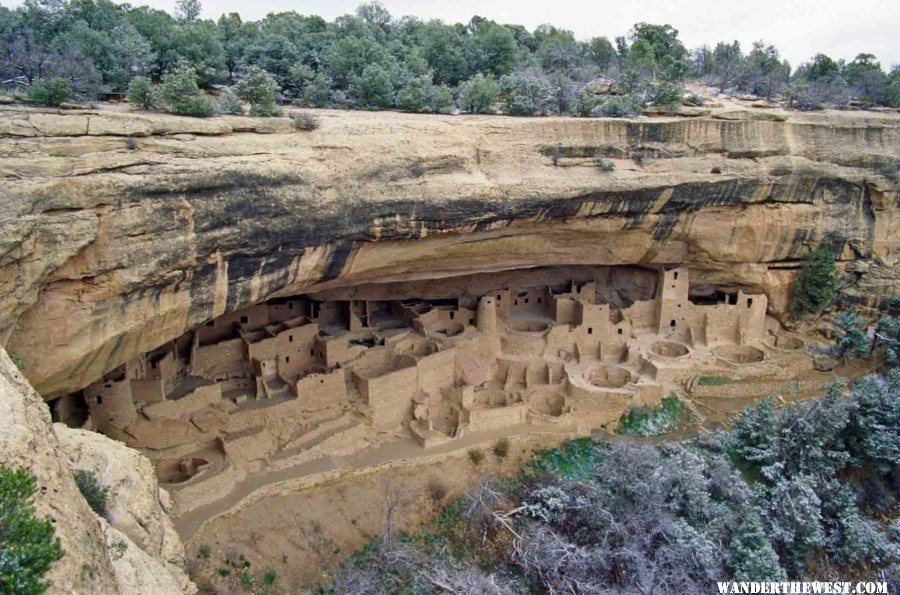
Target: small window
x,y
672,324
749,302
108,385
590,330
244,320
287,359
210,323
679,305
471,321
539,300
290,338
452,315
526,300
676,275
515,302
99,400
312,352
620,331
321,381
498,298
152,365
291,306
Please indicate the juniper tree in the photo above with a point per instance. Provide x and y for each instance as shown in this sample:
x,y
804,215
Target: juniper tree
x,y
816,283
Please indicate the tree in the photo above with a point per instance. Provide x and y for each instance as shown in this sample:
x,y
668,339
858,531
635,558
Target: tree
x,y
816,283
317,91
28,547
753,441
374,13
373,88
182,95
727,62
524,95
50,93
230,104
850,336
750,555
764,72
415,96
822,67
143,94
189,10
132,54
478,94
195,44
887,337
602,53
558,50
493,49
795,519
260,90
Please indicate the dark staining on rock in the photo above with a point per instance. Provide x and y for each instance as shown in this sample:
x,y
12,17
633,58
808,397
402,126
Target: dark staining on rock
x,y
338,257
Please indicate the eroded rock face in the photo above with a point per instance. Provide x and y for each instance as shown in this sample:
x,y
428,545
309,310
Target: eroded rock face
x,y
98,557
120,232
134,501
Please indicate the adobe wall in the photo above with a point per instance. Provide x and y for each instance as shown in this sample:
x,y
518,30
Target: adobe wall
x,y
319,390
437,371
389,396
485,419
199,398
218,361
148,391
110,404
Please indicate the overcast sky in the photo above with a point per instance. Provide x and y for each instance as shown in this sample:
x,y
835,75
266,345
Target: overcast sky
x,y
799,28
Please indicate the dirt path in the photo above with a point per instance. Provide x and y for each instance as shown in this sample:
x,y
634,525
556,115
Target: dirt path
x,y
327,469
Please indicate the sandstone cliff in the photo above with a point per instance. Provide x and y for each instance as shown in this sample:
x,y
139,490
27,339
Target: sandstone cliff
x,y
119,231
136,550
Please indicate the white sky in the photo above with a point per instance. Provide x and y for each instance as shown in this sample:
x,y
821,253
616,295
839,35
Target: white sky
x,y
799,28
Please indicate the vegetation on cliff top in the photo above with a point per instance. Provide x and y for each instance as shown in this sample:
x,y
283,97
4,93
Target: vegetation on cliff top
x,y
372,60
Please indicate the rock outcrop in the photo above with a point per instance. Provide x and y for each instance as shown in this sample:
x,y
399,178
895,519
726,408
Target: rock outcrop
x,y
119,232
136,551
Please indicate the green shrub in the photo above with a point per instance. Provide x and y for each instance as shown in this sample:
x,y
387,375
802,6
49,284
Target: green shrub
x,y
18,361
27,546
667,95
478,94
49,92
304,121
182,95
501,448
652,422
693,99
816,283
93,492
259,89
476,455
143,94
850,334
204,551
621,107
269,579
229,104
606,165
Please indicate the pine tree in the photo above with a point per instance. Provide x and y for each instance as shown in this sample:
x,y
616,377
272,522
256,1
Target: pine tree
x,y
815,284
750,555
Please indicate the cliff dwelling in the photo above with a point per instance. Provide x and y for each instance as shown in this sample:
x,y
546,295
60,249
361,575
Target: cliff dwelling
x,y
252,390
